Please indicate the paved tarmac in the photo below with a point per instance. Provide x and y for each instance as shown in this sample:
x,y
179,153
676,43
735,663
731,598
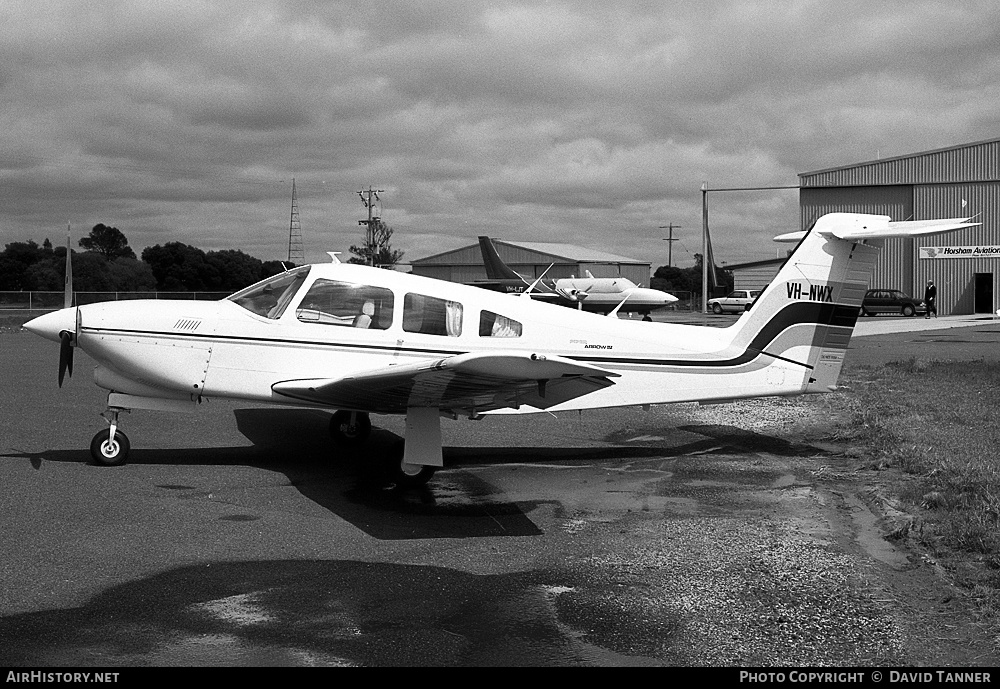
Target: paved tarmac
x,y
239,537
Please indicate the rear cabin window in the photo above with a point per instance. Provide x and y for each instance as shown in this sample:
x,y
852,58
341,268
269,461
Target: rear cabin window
x,y
348,304
494,325
431,316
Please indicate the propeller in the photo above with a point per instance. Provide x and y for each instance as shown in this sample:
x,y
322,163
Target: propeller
x,y
614,313
65,355
67,341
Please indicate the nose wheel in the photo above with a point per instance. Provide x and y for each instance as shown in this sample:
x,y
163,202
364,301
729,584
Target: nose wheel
x,y
110,447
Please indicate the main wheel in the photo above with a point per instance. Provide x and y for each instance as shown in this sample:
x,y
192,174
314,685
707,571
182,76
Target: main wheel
x,y
717,308
350,428
107,453
406,475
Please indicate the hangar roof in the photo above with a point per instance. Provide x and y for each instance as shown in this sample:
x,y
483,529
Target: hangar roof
x,y
973,162
564,253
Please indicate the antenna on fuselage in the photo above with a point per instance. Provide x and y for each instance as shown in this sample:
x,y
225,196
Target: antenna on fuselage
x,y
333,256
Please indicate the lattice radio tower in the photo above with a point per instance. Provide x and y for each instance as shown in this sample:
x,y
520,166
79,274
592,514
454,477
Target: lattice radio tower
x,y
295,253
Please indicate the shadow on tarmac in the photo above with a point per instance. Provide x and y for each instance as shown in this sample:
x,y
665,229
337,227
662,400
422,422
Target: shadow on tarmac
x,y
351,483
334,613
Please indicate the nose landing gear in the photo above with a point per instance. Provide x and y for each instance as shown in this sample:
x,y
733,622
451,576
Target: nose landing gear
x,y
110,447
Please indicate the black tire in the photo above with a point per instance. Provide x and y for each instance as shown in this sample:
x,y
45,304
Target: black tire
x,y
349,434
113,455
406,475
908,310
746,307
717,309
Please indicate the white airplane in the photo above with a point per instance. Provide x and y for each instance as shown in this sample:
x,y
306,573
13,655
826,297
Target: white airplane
x,y
364,341
604,295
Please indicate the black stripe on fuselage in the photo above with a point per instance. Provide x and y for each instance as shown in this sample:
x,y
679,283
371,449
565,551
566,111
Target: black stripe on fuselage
x,y
802,313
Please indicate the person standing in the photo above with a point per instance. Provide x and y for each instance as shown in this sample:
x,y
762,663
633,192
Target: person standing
x,y
930,299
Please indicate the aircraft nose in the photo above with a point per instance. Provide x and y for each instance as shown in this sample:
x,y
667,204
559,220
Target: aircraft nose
x,y
656,295
49,325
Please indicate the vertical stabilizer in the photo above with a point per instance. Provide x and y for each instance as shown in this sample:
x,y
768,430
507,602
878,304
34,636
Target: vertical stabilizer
x,y
496,269
805,317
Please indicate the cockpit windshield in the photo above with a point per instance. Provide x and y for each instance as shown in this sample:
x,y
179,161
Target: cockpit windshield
x,y
270,298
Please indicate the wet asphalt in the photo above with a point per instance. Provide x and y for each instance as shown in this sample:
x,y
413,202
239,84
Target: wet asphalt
x,y
241,537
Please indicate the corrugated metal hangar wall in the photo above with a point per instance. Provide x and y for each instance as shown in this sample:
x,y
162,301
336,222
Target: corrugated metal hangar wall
x,y
952,182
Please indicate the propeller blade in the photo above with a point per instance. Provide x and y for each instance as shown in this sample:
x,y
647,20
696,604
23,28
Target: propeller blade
x,y
65,356
533,285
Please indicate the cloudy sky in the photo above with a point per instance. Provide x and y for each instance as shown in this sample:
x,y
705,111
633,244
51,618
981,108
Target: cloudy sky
x,y
587,122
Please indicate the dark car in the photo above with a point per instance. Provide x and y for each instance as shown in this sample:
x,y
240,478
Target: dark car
x,y
878,301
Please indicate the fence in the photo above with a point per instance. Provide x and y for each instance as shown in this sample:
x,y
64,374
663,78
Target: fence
x,y
47,301
686,301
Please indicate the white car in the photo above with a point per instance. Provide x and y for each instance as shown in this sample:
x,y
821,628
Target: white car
x,y
738,300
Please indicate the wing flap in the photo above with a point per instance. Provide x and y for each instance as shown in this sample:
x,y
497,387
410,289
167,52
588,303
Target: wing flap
x,y
475,383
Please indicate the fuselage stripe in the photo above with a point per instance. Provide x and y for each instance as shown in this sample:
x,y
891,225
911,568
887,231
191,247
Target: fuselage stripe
x,y
830,315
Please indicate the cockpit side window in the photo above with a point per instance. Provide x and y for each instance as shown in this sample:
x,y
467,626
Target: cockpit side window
x,y
432,316
269,298
331,302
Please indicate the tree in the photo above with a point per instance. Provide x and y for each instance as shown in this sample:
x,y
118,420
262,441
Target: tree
x,y
15,260
131,275
376,250
269,268
235,269
672,278
180,267
108,242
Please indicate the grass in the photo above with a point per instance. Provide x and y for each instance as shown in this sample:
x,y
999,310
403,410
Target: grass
x,y
934,427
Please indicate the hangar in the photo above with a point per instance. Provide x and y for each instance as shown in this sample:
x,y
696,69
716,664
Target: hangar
x,y
531,259
958,181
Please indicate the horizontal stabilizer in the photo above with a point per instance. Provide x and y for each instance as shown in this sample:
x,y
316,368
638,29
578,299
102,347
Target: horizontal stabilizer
x,y
855,227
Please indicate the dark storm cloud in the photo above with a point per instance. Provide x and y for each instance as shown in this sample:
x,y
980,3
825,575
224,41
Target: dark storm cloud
x,y
585,122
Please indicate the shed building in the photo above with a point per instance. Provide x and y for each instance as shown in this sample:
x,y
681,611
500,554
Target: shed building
x,y
958,181
755,275
531,260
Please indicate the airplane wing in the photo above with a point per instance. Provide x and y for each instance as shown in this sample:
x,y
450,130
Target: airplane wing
x,y
464,383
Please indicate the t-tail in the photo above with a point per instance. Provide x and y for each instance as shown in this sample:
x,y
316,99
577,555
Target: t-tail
x,y
496,269
804,319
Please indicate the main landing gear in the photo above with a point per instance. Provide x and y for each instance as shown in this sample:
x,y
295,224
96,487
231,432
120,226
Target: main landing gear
x,y
110,447
351,429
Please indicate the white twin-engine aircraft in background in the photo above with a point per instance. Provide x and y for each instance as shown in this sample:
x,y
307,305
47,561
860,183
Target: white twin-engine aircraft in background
x,y
366,341
607,295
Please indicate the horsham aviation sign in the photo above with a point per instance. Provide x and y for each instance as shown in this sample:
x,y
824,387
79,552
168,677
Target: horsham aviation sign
x,y
960,252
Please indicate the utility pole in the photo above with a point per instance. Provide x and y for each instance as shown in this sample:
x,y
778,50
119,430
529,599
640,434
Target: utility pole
x,y
704,247
366,198
670,250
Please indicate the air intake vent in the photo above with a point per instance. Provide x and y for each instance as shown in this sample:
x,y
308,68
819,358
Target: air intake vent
x,y
187,324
